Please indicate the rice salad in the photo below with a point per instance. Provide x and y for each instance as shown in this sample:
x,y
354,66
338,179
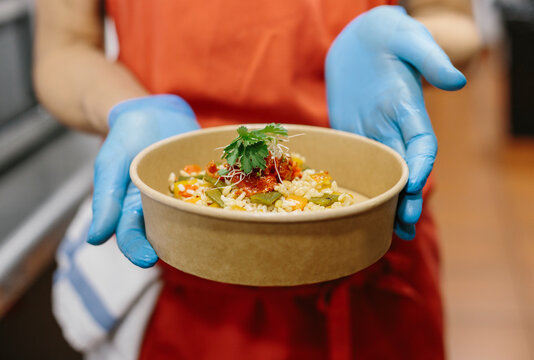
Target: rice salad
x,y
258,174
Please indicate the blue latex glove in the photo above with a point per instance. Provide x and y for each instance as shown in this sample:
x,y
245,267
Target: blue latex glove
x,y
373,79
133,125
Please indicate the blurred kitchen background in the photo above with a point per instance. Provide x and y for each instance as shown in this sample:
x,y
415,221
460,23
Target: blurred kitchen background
x,y
483,200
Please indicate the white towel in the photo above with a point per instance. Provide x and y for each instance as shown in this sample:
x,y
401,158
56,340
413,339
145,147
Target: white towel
x,y
101,300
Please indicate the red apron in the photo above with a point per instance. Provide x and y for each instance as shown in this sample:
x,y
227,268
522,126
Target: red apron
x,y
238,61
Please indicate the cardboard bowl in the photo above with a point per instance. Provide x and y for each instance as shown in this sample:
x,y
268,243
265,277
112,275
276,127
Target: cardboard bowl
x,y
273,249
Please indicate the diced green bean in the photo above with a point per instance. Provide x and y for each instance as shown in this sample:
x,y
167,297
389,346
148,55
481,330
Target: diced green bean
x,y
184,178
325,200
265,198
215,195
211,179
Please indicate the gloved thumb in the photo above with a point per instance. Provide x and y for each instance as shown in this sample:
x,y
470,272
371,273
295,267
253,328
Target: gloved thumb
x,y
110,182
414,44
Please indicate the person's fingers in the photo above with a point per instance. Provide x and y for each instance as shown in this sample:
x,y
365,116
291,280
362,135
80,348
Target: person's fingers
x,y
414,44
405,231
131,237
110,181
408,212
420,141
410,207
421,152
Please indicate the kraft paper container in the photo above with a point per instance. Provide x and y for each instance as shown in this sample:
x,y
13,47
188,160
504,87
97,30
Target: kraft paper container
x,y
272,249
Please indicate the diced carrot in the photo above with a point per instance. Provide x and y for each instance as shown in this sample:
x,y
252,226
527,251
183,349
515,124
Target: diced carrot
x,y
185,193
192,169
181,187
322,178
176,191
301,201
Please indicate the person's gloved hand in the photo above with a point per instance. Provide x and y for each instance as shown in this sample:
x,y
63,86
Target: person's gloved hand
x,y
133,125
374,89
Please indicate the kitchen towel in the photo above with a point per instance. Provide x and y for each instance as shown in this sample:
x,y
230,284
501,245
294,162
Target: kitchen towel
x,y
101,300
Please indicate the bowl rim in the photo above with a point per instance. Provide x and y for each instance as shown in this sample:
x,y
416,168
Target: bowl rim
x,y
267,217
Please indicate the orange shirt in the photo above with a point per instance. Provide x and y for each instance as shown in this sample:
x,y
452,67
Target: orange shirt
x,y
235,61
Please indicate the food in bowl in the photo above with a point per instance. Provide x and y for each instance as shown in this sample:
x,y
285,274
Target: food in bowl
x,y
258,174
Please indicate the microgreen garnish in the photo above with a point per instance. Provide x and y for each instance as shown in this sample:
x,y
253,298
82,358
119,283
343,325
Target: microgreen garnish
x,y
250,148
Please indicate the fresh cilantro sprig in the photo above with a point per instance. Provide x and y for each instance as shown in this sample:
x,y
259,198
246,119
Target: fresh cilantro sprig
x,y
251,147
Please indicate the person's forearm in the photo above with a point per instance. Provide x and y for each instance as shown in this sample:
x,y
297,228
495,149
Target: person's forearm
x,y
79,86
72,77
451,24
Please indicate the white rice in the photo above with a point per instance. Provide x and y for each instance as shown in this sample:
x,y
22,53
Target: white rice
x,y
234,199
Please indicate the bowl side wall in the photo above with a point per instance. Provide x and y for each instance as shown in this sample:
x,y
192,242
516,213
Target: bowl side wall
x,y
268,254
